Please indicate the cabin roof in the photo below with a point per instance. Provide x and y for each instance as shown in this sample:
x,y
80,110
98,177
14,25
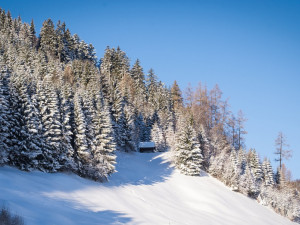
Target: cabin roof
x,y
147,145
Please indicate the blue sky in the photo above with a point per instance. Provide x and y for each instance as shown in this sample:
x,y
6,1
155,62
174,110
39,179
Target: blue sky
x,y
251,49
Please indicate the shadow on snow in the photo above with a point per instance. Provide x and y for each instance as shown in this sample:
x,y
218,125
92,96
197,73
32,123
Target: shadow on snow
x,y
140,169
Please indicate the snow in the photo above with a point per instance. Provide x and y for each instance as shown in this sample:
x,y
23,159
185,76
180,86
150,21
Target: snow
x,y
145,190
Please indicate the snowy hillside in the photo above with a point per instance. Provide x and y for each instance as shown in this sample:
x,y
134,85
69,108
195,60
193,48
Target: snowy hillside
x,y
146,190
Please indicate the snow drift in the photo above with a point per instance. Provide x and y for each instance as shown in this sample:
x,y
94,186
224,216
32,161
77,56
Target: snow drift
x,y
145,190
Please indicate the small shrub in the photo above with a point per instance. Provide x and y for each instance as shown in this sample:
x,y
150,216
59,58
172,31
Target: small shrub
x,y
6,218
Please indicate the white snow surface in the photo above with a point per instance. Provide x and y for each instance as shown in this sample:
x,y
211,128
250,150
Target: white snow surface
x,y
145,190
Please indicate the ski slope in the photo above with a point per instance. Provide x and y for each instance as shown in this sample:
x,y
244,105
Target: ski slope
x,y
145,190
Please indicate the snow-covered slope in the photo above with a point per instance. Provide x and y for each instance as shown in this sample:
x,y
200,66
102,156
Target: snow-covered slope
x,y
146,190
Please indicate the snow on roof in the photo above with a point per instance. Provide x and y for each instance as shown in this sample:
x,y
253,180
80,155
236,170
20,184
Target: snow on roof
x,y
147,145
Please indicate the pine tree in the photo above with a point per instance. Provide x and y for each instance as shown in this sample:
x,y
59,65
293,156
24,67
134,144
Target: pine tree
x,y
27,146
4,117
170,136
33,139
279,178
242,160
268,173
205,145
83,154
255,165
124,130
104,147
248,184
51,121
67,127
188,155
32,34
48,38
157,136
231,171
139,84
138,128
152,86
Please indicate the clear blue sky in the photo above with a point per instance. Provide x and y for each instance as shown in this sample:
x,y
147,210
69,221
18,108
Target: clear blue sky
x,y
251,49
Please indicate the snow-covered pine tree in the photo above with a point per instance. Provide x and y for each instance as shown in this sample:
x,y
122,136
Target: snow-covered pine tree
x,y
139,127
205,145
83,153
48,39
170,136
268,173
33,139
232,171
220,154
67,127
188,154
48,100
139,85
242,160
89,112
27,146
152,85
255,166
157,136
32,33
248,185
104,146
114,65
217,164
124,131
5,142
279,178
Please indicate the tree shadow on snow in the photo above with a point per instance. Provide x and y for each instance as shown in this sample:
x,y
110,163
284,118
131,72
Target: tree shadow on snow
x,y
107,217
75,200
140,169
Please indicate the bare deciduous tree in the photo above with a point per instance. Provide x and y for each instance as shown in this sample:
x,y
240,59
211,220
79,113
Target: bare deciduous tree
x,y
281,150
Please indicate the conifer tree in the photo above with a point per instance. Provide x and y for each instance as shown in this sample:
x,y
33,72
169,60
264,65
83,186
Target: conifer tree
x,y
205,145
32,34
151,87
268,173
139,84
104,147
27,145
124,131
67,128
48,39
170,136
51,121
83,154
248,184
157,136
231,174
4,117
188,155
279,178
138,128
255,166
242,160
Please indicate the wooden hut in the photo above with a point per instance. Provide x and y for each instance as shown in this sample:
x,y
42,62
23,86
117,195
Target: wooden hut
x,y
147,147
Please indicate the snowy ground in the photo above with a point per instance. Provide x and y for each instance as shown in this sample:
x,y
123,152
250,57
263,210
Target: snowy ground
x,y
144,191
